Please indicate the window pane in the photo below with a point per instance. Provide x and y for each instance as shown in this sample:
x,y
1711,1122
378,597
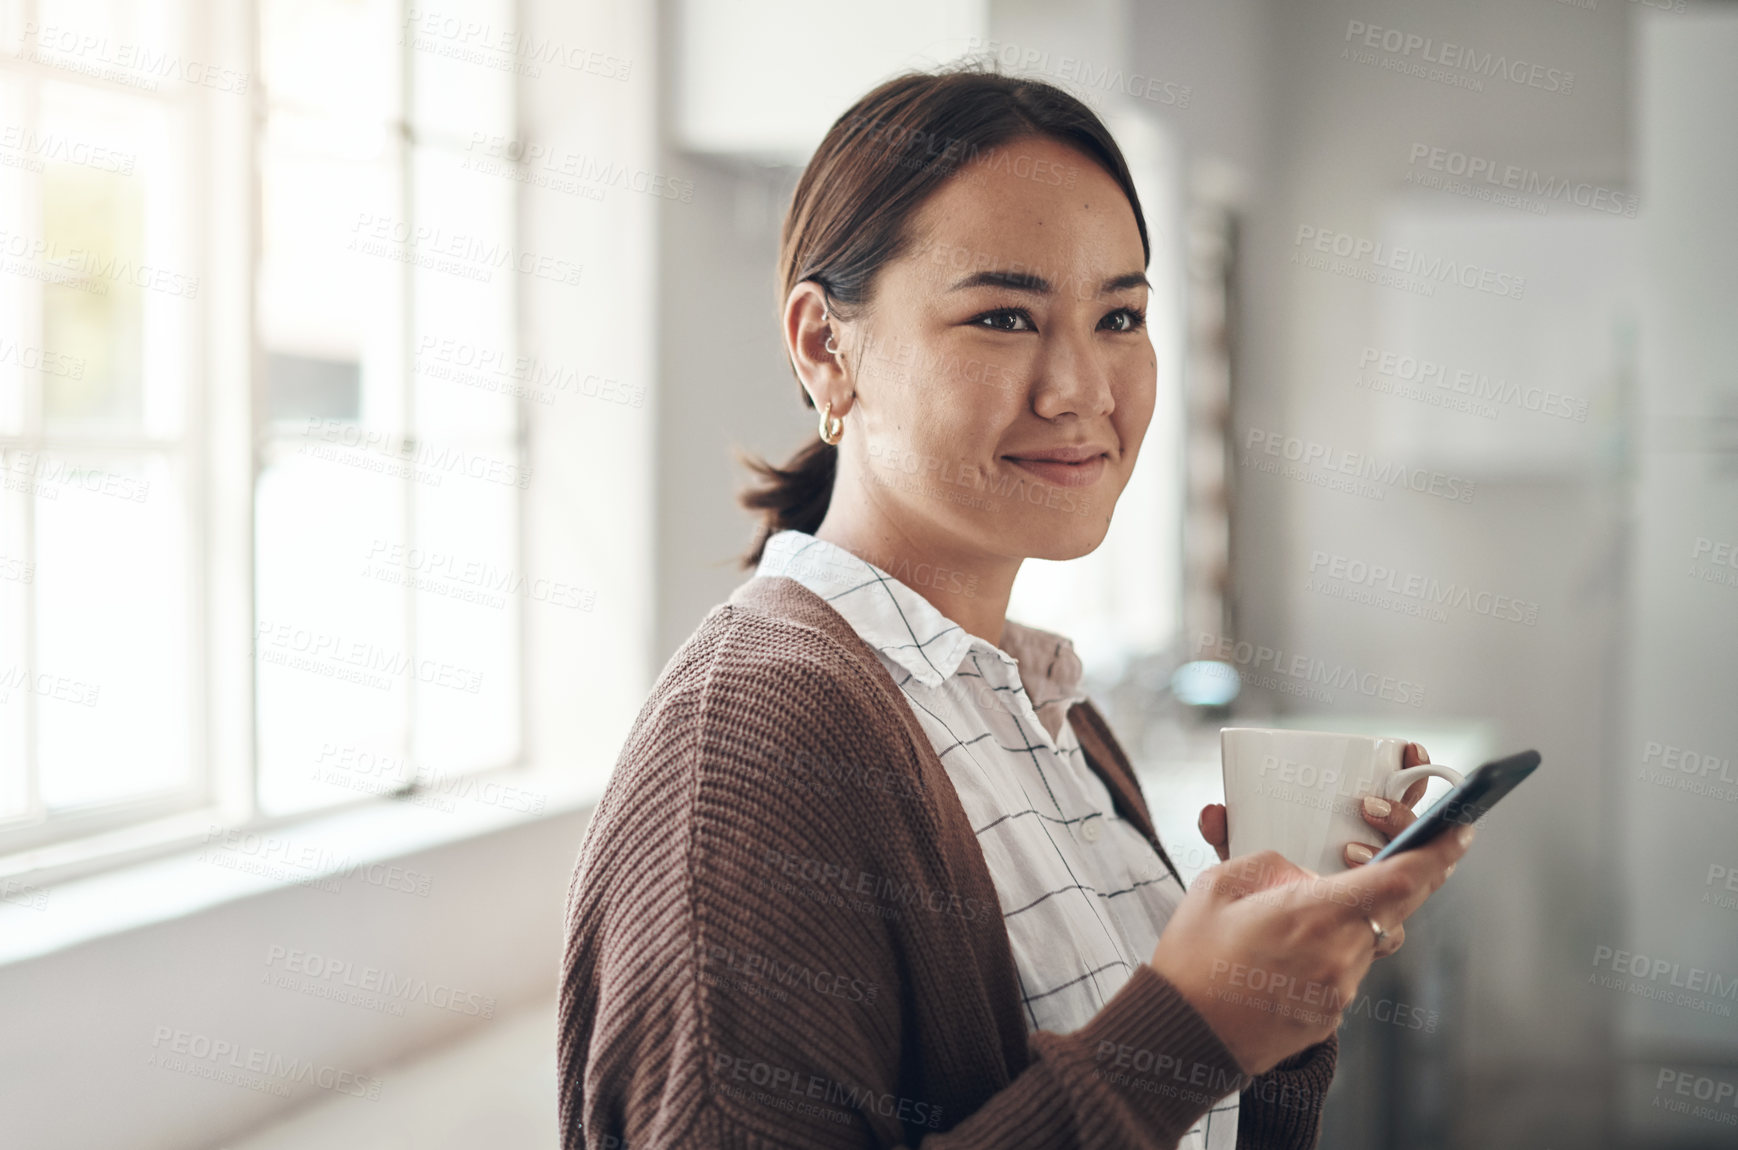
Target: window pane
x,y
464,58
329,641
466,373
110,681
123,286
17,581
108,33
330,274
332,56
22,354
470,592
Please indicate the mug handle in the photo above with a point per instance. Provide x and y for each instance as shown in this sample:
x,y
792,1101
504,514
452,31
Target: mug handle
x,y
1400,780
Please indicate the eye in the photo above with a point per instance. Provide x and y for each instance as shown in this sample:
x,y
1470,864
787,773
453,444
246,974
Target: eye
x,y
1004,315
1134,318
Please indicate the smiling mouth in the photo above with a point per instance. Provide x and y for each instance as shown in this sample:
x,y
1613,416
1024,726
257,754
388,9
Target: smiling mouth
x,y
1063,474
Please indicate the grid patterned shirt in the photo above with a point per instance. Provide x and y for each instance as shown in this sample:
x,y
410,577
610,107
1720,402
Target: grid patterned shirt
x,y
1083,894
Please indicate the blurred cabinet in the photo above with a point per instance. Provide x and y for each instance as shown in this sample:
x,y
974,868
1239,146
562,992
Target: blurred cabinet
x,y
766,78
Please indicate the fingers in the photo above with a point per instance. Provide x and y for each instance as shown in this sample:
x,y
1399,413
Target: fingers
x,y
1391,890
1214,829
1392,941
1388,819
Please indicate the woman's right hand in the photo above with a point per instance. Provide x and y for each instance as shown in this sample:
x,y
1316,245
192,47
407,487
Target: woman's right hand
x,y
1270,954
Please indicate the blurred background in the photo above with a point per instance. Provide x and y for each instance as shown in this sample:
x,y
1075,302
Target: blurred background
x,y
369,380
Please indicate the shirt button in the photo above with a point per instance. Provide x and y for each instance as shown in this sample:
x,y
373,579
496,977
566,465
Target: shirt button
x,y
1089,830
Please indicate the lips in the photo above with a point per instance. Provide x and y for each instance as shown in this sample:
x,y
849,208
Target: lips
x,y
1063,466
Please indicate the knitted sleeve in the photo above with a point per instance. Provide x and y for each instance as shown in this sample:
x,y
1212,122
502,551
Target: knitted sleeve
x,y
760,947
1282,1109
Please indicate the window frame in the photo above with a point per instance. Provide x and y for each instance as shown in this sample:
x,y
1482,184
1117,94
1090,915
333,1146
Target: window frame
x,y
34,830
219,454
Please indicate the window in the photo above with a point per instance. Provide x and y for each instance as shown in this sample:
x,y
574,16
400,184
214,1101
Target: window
x,y
382,615
386,532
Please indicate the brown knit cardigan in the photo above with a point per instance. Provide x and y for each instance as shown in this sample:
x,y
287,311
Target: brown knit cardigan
x,y
781,932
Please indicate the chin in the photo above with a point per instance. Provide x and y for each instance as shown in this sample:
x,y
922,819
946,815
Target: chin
x,y
1060,537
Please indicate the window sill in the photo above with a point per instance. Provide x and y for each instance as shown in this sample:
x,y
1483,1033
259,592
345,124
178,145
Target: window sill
x,y
210,867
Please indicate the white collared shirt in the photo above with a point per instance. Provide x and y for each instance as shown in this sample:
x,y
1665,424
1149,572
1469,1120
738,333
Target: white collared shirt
x,y
1083,894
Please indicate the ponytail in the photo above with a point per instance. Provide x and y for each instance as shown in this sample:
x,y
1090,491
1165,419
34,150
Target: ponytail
x,y
791,498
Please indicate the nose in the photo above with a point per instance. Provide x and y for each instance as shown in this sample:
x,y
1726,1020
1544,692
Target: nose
x,y
1074,378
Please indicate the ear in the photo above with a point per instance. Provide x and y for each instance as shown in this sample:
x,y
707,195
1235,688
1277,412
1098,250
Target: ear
x,y
806,334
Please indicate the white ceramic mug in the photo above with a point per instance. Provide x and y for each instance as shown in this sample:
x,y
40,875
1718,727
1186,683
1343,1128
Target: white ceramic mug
x,y
1299,792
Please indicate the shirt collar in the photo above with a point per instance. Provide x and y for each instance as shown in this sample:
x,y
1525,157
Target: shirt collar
x,y
1049,667
894,619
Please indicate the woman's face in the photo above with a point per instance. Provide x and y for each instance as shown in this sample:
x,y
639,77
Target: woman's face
x,y
1011,332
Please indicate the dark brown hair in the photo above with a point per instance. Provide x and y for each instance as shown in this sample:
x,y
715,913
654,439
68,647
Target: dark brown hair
x,y
849,213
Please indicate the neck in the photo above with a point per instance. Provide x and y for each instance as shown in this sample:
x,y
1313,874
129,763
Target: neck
x,y
966,585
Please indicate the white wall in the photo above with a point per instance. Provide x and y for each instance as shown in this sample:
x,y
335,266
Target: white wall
x,y
590,510
1682,634
82,1024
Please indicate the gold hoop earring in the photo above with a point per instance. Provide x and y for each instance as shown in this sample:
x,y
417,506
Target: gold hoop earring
x,y
832,426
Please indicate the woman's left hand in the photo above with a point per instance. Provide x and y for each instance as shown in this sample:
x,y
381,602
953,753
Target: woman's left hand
x,y
1388,819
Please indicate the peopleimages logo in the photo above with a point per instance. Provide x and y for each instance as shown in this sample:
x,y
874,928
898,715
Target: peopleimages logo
x,y
1306,669
14,354
583,166
1335,461
1468,67
851,1097
1421,588
333,978
140,66
48,686
1719,875
1707,556
935,473
768,969
270,855
1358,250
84,269
1704,775
1479,389
437,249
31,148
201,1055
504,49
1674,758
1682,986
1723,1095
405,454
1100,77
883,890
1531,187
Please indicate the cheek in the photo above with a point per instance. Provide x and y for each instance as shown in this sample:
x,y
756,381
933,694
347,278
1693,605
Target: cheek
x,y
961,421
1134,412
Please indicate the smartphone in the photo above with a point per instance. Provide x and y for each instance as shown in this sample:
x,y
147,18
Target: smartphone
x,y
1462,806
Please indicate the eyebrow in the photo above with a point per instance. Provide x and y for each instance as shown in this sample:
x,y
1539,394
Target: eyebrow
x,y
1028,282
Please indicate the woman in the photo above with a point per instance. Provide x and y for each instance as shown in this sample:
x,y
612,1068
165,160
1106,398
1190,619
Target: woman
x,y
871,870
